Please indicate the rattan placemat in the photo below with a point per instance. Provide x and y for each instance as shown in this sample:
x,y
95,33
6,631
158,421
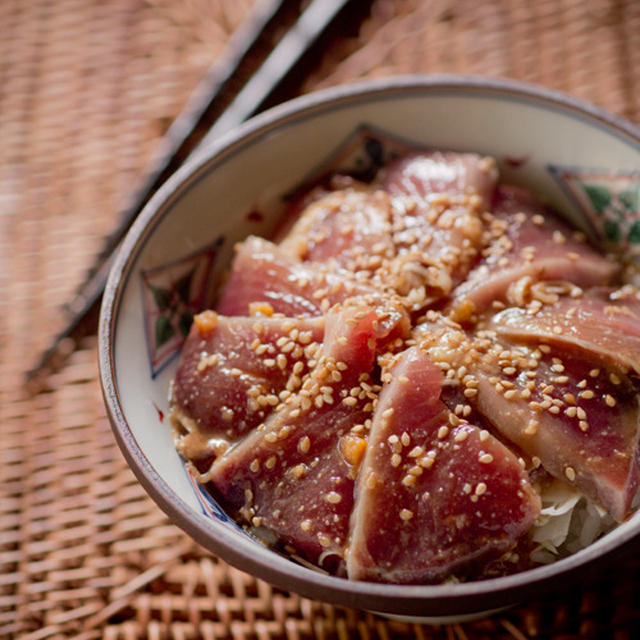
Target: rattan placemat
x,y
87,89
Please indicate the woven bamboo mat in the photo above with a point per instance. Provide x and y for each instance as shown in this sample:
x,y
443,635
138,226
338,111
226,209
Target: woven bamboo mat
x,y
87,88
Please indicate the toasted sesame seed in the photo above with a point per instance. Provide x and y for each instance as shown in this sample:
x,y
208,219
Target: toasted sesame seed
x,y
324,540
406,514
485,458
484,435
333,497
610,400
304,444
614,378
396,459
271,462
461,436
405,438
306,525
594,373
426,462
443,432
570,473
481,488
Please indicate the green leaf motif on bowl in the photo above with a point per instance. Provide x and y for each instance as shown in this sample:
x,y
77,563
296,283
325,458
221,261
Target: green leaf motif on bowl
x,y
609,200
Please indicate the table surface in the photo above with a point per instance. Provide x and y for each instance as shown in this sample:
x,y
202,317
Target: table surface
x,y
88,88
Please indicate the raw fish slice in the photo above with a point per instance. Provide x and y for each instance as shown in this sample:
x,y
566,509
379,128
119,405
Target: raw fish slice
x,y
605,324
351,227
422,176
527,240
263,273
437,229
230,374
578,420
293,477
435,496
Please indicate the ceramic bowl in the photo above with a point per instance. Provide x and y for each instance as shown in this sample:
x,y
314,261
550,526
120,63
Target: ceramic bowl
x,y
584,161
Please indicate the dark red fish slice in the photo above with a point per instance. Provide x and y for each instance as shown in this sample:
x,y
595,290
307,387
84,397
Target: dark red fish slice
x,y
438,200
435,496
528,239
596,323
349,226
232,370
422,176
580,421
293,477
262,272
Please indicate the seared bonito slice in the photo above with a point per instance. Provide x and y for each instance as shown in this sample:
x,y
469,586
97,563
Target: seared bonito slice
x,y
605,323
292,478
525,239
435,496
232,372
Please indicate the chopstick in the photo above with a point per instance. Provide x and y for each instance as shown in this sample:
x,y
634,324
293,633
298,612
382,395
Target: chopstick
x,y
280,71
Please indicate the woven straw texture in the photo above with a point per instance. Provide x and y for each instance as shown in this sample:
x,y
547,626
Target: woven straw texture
x,y
87,90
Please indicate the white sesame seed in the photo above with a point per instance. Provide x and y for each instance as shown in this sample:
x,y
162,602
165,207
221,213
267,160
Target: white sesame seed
x,y
461,436
443,432
304,444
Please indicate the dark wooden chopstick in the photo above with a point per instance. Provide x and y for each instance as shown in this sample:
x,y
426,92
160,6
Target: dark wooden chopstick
x,y
206,116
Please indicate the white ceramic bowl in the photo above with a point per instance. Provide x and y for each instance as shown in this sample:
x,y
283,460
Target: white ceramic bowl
x,y
578,157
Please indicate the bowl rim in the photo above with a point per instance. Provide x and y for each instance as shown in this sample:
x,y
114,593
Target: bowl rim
x,y
443,599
